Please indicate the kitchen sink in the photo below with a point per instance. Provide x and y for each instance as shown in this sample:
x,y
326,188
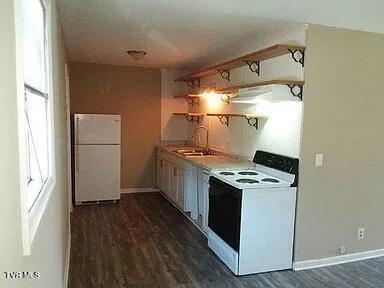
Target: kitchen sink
x,y
194,152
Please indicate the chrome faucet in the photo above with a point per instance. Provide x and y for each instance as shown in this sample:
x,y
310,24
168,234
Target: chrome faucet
x,y
195,132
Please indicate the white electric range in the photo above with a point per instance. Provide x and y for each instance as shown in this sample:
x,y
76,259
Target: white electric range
x,y
252,213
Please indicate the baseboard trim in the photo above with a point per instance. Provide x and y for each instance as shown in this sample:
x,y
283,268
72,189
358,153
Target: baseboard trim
x,y
309,264
67,260
138,190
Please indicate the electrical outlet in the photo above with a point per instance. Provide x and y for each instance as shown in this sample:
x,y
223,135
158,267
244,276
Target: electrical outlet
x,y
360,233
342,250
319,160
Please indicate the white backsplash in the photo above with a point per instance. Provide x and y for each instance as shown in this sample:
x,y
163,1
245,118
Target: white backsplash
x,y
280,133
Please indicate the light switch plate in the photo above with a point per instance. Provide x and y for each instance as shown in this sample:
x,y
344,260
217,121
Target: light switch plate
x,y
319,160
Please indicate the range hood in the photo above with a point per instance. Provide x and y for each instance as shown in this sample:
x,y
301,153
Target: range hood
x,y
263,94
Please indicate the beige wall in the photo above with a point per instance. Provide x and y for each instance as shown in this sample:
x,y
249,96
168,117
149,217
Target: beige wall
x,y
172,127
343,118
135,94
49,249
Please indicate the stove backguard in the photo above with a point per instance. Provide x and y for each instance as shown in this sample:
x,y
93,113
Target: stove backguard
x,y
279,162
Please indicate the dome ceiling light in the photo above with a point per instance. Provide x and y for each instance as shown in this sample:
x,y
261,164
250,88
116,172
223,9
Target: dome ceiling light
x,y
136,54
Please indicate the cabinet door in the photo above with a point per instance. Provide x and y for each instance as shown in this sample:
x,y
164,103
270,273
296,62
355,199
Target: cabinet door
x,y
166,176
200,195
173,183
205,200
180,189
159,172
205,207
190,180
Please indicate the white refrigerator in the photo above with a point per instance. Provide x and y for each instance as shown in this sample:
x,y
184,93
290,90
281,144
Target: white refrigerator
x,y
97,157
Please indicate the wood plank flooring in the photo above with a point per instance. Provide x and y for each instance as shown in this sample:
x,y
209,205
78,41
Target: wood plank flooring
x,y
143,241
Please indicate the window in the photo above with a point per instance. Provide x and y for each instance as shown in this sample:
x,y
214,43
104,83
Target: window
x,y
36,99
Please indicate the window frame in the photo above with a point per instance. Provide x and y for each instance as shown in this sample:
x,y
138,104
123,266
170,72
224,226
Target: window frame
x,y
31,218
36,93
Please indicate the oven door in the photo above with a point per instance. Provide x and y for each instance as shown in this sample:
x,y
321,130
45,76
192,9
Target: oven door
x,y
225,211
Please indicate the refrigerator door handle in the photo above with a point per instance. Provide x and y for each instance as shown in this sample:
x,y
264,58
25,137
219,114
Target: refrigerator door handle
x,y
77,157
77,130
77,142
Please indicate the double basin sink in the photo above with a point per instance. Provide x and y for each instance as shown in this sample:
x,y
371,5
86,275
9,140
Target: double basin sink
x,y
194,152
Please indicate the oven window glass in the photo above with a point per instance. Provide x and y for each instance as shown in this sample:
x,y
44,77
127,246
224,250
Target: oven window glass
x,y
225,212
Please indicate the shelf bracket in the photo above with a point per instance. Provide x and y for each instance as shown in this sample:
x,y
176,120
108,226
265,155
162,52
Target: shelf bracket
x,y
296,90
254,66
225,98
209,87
253,121
225,74
298,55
224,120
193,83
193,119
193,100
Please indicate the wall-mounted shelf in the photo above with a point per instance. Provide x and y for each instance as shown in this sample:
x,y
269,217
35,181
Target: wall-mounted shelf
x,y
296,87
191,117
192,99
252,60
252,119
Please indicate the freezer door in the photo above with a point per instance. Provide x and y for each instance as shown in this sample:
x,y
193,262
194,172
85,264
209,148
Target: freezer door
x,y
97,172
97,129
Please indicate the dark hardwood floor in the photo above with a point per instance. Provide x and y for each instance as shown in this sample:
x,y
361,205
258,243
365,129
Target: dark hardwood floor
x,y
143,241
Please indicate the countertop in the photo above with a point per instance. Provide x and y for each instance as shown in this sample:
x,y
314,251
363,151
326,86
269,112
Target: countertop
x,y
212,162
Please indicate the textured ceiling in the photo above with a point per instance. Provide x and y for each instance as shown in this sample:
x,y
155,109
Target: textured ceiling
x,y
191,33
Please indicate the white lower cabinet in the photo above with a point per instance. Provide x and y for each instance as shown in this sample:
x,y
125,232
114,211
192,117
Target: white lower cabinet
x,y
190,190
166,178
159,173
206,206
173,183
180,189
203,197
177,179
170,180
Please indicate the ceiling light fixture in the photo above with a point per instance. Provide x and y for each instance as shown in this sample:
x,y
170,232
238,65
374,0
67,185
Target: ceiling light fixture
x,y
136,54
